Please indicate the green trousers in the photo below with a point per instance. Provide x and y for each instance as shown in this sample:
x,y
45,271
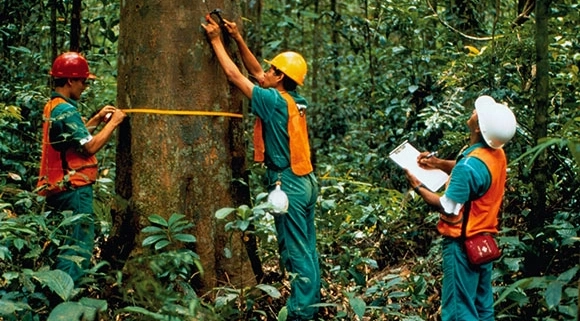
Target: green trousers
x,y
77,250
466,293
297,242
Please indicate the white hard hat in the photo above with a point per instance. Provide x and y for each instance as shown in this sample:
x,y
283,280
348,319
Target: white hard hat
x,y
278,200
496,121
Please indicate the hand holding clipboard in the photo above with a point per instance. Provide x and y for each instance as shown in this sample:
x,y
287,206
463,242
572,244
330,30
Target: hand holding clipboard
x,y
405,155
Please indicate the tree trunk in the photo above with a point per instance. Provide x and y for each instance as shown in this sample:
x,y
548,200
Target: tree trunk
x,y
252,10
537,220
536,263
53,31
183,164
75,26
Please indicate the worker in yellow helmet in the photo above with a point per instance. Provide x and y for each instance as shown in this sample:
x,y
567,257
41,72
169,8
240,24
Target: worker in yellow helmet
x,y
281,143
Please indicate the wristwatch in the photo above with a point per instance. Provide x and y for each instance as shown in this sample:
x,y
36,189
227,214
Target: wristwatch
x,y
416,188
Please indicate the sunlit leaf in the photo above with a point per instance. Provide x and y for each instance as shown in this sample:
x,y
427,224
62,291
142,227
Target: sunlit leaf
x,y
185,238
152,239
161,244
156,219
174,218
152,229
224,212
270,290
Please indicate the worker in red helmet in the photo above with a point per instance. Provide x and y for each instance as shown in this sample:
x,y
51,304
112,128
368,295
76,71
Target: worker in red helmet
x,y
281,143
68,166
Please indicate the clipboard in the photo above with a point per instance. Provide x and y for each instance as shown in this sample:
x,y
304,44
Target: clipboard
x,y
405,155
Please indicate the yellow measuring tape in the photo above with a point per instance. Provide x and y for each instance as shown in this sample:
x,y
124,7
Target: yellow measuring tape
x,y
182,112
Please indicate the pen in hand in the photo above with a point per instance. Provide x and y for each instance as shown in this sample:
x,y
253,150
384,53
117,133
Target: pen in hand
x,y
431,154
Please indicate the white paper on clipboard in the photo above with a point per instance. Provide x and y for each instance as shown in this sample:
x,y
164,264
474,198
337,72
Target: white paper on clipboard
x,y
405,155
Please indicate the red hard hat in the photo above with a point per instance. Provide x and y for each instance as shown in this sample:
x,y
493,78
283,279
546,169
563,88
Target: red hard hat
x,y
71,65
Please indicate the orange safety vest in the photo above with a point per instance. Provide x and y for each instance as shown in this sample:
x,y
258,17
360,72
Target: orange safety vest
x,y
61,170
484,210
298,133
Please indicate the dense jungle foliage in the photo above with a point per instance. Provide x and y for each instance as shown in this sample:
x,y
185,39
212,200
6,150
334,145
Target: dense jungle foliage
x,y
381,72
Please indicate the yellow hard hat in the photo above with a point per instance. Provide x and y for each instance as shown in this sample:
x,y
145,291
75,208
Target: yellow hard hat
x,y
291,64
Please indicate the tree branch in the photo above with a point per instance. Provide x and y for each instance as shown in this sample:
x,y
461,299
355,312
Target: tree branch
x,y
525,14
457,31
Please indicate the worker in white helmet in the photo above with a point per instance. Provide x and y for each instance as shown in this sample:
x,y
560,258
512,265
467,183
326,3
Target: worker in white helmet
x,y
474,195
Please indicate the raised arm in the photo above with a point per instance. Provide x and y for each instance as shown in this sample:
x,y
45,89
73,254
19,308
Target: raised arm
x,y
250,61
232,71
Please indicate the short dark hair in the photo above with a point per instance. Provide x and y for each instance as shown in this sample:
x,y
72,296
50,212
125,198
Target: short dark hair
x,y
59,82
287,82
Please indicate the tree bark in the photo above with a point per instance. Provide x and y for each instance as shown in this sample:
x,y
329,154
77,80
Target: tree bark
x,y
536,263
53,31
541,111
75,26
179,164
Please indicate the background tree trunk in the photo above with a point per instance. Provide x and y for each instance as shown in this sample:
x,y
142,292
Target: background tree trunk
x,y
75,26
53,32
536,262
541,110
179,164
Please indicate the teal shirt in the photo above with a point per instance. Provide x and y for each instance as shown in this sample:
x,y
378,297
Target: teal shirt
x,y
272,108
67,128
470,178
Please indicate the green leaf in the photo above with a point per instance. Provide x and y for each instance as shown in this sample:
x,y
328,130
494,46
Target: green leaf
x,y
5,254
245,212
224,212
553,294
156,219
283,314
398,294
68,311
9,307
100,305
19,243
574,147
188,238
568,275
175,218
358,306
513,264
10,275
153,239
270,290
519,284
73,219
227,253
180,226
152,229
145,312
58,281
243,225
161,244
